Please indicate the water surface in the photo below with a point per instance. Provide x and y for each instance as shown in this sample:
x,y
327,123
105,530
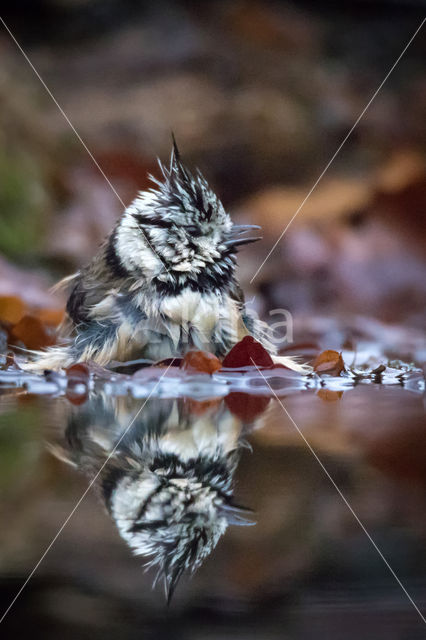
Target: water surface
x,y
242,500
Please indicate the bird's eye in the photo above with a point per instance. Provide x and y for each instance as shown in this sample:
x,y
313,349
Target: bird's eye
x,y
194,231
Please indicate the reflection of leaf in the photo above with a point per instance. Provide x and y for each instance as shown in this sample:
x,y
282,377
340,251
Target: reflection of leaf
x,y
246,406
201,361
75,397
329,396
79,372
199,407
12,309
78,377
32,333
246,353
330,362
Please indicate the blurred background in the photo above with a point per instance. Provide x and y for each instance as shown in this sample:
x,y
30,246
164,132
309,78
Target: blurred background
x,y
259,96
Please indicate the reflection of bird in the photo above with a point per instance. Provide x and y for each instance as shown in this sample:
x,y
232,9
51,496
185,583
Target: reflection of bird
x,y
163,282
168,485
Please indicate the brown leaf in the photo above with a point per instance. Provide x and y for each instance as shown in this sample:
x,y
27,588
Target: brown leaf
x,y
78,372
329,362
201,361
12,309
77,387
32,333
247,353
51,317
75,397
329,396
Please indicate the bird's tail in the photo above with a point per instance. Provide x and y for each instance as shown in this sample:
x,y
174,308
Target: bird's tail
x,y
293,362
53,358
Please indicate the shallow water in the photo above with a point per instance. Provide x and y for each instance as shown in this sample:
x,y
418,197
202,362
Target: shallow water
x,y
305,568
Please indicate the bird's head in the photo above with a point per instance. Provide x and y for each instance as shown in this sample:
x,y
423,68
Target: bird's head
x,y
175,515
179,233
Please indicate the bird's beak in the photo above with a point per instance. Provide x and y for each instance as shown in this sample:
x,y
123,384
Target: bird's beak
x,y
234,238
240,516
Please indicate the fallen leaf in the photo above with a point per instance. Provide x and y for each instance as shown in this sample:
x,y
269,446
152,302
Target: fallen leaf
x,y
329,396
329,362
201,361
32,333
247,352
12,309
246,406
51,317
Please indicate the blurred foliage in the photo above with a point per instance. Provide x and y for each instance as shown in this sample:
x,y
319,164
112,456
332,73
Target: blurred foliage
x,y
22,205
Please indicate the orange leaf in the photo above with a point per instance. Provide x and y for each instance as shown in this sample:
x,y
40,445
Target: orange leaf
x,y
329,396
201,361
12,309
32,333
51,317
329,362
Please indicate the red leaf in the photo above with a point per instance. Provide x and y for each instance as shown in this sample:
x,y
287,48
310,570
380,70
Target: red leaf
x,y
201,361
246,353
246,406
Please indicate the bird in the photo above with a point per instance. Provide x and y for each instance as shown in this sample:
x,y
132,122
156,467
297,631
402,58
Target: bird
x,y
162,283
168,484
